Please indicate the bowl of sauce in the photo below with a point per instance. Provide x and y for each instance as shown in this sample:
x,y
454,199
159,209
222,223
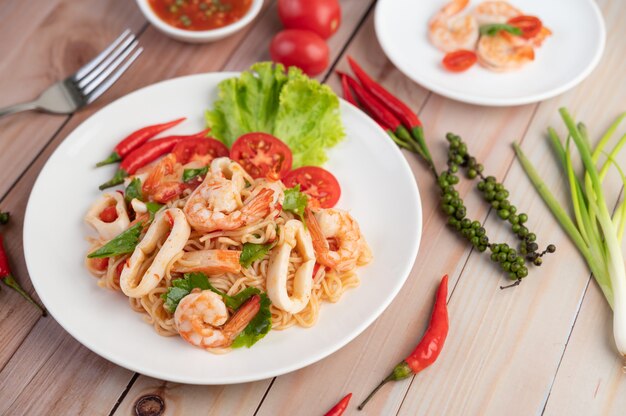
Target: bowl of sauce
x,y
199,20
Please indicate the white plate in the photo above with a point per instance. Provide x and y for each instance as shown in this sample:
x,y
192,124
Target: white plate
x,y
564,60
378,188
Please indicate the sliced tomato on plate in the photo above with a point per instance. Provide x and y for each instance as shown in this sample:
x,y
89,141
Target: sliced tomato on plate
x,y
202,149
459,61
319,184
530,25
109,214
262,155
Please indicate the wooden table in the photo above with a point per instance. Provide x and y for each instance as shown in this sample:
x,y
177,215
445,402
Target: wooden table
x,y
543,348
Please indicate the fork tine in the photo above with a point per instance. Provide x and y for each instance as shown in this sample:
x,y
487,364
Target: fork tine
x,y
104,85
105,63
85,69
87,89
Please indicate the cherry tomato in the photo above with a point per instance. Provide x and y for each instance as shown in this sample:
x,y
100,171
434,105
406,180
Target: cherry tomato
x,y
459,61
109,214
100,264
301,48
321,16
319,184
530,25
262,155
202,150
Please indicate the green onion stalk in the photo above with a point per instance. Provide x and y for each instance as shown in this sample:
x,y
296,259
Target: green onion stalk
x,y
596,233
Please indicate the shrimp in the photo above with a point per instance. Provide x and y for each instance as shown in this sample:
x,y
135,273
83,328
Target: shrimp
x,y
171,223
504,52
216,204
449,33
209,261
336,238
201,319
164,182
296,237
108,230
495,12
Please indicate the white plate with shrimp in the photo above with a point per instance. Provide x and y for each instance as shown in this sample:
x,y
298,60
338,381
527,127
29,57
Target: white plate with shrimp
x,y
378,189
564,59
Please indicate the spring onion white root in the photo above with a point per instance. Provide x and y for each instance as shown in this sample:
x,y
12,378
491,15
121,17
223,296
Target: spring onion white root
x,y
596,233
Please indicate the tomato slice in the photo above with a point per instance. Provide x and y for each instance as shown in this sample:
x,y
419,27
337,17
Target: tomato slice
x,y
459,61
202,149
262,155
319,184
530,25
109,214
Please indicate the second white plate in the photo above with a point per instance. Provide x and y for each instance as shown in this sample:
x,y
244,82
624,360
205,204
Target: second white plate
x,y
564,60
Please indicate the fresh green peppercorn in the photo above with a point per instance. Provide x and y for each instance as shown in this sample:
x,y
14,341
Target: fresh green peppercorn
x,y
513,209
454,168
482,248
504,248
481,232
450,136
491,179
475,241
446,198
489,186
448,209
523,231
532,246
506,266
516,228
454,194
504,213
515,267
452,221
505,204
494,257
500,196
460,213
448,189
458,159
498,187
523,218
551,248
513,219
490,195
456,202
512,276
520,261
494,248
531,237
481,186
501,257
495,204
479,168
466,223
475,225
453,179
472,173
522,272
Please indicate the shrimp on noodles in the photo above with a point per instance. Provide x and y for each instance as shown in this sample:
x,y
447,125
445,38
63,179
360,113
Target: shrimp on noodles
x,y
201,319
449,32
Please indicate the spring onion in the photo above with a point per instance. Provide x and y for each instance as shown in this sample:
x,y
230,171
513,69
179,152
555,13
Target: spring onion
x,y
596,233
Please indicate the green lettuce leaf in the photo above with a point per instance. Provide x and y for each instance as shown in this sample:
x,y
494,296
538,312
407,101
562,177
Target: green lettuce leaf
x,y
298,110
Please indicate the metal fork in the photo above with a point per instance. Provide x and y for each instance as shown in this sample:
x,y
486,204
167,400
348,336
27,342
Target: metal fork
x,y
88,83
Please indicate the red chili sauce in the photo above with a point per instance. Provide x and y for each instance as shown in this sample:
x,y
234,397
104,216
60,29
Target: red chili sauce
x,y
200,14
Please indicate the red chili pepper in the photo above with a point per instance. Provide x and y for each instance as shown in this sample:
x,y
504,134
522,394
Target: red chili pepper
x,y
428,348
145,154
395,105
136,139
9,280
340,407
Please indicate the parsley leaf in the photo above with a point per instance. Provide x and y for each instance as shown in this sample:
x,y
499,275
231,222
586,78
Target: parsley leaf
x,y
252,252
493,29
258,327
295,201
153,208
133,190
189,174
123,243
182,287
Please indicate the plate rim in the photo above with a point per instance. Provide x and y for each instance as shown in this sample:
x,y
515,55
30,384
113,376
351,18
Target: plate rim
x,y
225,380
496,102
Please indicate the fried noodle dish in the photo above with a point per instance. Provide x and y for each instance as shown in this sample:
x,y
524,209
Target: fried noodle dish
x,y
221,257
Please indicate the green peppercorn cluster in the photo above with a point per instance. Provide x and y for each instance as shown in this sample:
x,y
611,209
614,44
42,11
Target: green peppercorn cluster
x,y
509,259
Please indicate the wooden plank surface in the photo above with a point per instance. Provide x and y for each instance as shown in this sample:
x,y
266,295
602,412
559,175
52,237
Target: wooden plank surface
x,y
544,347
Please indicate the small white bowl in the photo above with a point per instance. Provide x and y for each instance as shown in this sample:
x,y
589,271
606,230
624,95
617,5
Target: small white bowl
x,y
198,36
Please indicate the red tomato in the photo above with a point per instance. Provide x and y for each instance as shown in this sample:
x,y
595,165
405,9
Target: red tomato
x,y
262,155
317,183
301,48
203,150
109,214
100,264
530,25
459,61
321,16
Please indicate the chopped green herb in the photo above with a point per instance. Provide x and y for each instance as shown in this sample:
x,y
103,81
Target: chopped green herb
x,y
189,174
122,244
153,208
252,252
182,287
494,28
295,201
133,190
